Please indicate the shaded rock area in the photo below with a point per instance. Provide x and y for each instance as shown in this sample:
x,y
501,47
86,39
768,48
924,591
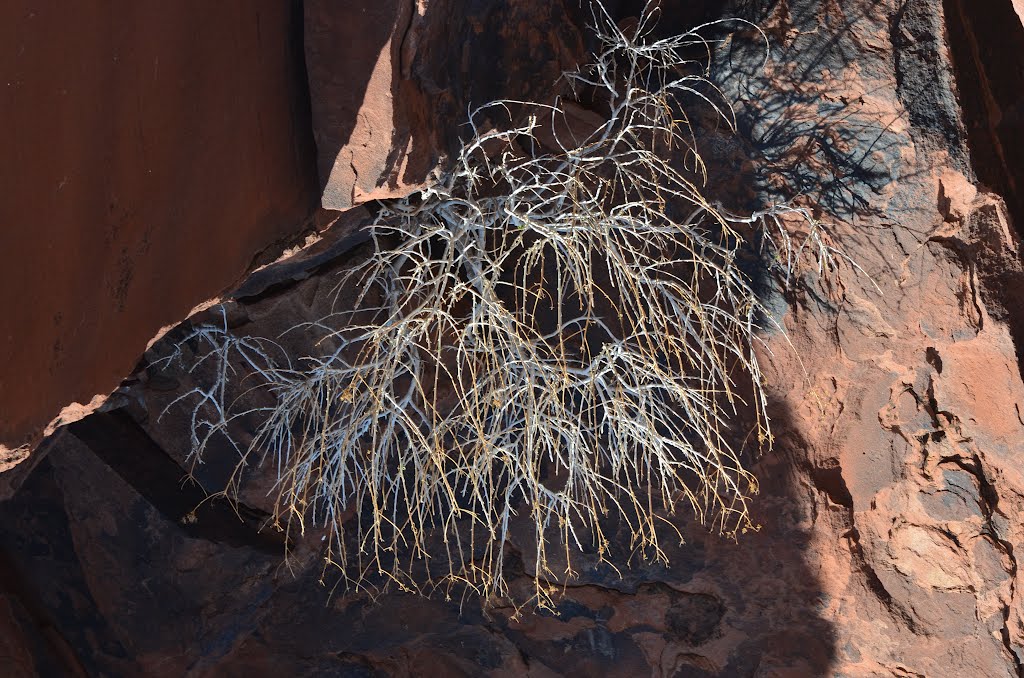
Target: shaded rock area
x,y
153,154
891,505
423,67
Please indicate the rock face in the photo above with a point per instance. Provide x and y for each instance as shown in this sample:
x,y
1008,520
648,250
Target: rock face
x,y
151,155
891,505
422,66
162,153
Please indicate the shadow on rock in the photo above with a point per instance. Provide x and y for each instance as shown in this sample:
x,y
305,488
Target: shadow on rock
x,y
134,591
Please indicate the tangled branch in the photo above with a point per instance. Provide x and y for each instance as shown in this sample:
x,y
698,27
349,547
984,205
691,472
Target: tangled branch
x,y
558,330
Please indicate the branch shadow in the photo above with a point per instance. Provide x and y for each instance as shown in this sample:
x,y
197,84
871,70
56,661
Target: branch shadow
x,y
826,123
756,606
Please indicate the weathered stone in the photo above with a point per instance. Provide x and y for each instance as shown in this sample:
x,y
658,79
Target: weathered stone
x,y
890,508
152,153
393,83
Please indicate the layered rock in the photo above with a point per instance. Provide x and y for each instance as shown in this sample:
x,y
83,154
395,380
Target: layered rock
x,y
891,504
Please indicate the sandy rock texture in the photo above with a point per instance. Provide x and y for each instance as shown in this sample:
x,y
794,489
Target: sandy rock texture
x,y
162,153
152,153
891,505
422,67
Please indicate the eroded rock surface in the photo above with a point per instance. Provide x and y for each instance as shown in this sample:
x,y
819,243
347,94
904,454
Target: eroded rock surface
x,y
152,153
423,67
891,505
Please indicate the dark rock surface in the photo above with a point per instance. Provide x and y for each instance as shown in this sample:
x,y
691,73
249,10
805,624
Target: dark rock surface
x,y
153,153
890,508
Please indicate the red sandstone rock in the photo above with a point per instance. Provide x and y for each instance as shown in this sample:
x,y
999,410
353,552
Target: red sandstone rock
x,y
362,131
152,152
392,83
891,506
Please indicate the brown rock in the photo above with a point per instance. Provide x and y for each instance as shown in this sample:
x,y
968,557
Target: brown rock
x,y
892,506
151,153
393,83
353,55
15,656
